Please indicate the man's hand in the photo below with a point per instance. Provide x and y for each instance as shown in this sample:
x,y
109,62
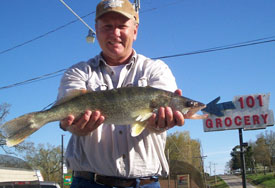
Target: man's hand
x,y
166,118
84,125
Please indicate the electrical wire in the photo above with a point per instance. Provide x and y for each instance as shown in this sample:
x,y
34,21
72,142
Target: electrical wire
x,y
71,22
60,72
36,79
214,49
45,34
227,47
162,6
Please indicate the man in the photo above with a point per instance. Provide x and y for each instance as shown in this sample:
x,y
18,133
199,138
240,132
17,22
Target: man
x,y
102,155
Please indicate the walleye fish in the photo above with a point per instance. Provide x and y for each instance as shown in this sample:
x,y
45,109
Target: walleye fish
x,y
123,106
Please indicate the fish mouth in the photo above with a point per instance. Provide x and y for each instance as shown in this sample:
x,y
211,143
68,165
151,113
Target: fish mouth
x,y
194,109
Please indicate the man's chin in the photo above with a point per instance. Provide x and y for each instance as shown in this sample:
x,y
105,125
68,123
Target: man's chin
x,y
116,53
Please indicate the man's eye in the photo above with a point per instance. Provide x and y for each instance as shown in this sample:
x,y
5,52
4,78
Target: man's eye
x,y
122,26
108,27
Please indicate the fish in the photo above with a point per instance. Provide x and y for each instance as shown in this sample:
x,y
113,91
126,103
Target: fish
x,y
122,106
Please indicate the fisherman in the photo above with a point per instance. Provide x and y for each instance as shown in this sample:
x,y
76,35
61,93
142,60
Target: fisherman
x,y
103,155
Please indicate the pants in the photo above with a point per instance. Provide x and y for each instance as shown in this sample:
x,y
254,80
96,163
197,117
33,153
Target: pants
x,y
83,183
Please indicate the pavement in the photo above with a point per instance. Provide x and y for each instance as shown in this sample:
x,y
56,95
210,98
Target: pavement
x,y
235,181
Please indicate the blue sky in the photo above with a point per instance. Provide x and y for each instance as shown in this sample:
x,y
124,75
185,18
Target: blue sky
x,y
166,28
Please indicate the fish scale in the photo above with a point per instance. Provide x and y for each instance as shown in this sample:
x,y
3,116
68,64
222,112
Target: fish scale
x,y
123,106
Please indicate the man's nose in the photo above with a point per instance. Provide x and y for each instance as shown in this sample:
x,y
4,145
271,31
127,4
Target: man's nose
x,y
116,31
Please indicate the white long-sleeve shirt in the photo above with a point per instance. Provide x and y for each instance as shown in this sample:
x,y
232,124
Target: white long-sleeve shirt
x,y
110,150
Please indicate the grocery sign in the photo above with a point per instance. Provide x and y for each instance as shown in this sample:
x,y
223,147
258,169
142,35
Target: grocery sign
x,y
246,112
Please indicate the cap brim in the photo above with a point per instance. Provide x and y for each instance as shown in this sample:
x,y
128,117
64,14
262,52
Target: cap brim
x,y
119,12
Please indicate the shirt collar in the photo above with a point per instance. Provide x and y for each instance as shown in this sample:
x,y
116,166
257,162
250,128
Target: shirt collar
x,y
132,60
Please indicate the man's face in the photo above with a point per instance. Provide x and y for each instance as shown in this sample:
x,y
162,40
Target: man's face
x,y
116,34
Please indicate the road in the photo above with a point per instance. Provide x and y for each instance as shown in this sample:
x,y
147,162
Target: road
x,y
235,181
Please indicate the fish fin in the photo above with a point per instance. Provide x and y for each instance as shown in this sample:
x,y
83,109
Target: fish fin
x,y
18,129
71,94
137,128
144,117
140,124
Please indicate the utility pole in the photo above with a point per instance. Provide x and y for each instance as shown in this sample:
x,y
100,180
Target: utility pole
x,y
202,167
242,158
168,158
137,5
210,168
215,172
203,173
62,160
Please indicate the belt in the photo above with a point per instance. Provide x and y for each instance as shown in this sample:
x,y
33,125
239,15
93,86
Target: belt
x,y
113,181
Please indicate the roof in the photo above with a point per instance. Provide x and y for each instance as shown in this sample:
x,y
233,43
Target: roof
x,y
7,161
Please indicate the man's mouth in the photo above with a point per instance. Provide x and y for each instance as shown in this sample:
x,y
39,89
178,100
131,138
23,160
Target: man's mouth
x,y
114,42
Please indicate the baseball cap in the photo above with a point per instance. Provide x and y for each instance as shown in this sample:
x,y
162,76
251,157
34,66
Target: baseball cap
x,y
124,7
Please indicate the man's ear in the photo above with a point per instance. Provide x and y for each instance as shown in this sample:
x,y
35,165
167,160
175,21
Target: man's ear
x,y
96,27
136,31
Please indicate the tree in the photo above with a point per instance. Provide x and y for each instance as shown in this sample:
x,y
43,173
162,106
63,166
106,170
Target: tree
x,y
270,141
182,148
4,111
227,167
261,153
249,159
235,161
46,159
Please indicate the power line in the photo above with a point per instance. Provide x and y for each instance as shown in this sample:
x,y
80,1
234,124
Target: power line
x,y
220,48
43,35
227,47
69,23
36,79
162,6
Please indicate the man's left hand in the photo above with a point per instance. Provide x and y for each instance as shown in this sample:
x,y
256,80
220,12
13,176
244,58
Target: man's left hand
x,y
166,118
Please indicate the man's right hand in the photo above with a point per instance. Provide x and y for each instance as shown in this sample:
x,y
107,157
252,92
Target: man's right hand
x,y
83,126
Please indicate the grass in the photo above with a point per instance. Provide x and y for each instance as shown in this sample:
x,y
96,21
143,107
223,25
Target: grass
x,y
261,180
220,183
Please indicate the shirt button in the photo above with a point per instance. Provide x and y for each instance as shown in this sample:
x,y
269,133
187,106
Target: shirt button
x,y
120,132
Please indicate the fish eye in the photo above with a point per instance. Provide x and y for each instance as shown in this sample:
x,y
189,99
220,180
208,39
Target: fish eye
x,y
191,103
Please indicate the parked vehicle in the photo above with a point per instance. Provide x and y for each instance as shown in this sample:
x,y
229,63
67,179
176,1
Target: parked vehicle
x,y
29,184
16,173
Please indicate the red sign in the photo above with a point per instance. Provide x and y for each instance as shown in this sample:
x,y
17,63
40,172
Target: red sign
x,y
251,113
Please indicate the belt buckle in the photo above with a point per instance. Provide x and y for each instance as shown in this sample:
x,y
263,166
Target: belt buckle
x,y
95,179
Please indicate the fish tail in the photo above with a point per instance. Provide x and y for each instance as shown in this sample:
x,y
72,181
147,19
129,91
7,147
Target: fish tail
x,y
16,130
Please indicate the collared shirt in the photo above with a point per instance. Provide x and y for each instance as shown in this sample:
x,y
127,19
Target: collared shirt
x,y
110,150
